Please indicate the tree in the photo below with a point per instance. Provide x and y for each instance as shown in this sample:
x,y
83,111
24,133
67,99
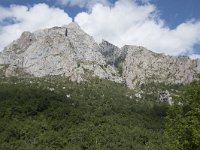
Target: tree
x,y
183,120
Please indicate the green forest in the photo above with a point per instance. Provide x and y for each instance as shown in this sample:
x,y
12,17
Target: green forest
x,y
53,113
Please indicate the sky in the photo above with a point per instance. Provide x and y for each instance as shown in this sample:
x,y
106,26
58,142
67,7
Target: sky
x,y
171,27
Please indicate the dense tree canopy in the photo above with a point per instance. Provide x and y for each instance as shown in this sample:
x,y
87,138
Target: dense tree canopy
x,y
58,114
183,120
55,113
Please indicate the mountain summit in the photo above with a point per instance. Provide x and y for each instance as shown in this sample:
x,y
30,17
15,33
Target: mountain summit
x,y
65,51
69,51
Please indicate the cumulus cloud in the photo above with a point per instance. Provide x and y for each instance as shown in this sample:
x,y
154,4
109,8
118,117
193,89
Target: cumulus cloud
x,y
195,56
128,22
83,3
16,19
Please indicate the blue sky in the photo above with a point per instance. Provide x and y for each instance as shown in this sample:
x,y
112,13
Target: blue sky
x,y
172,13
176,11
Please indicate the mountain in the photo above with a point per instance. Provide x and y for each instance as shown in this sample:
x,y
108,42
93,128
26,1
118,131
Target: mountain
x,y
70,52
142,65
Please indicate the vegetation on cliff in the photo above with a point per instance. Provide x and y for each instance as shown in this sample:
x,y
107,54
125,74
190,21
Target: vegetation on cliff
x,y
183,120
55,113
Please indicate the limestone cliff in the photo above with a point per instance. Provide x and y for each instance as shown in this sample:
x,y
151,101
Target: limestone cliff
x,y
142,65
71,52
60,50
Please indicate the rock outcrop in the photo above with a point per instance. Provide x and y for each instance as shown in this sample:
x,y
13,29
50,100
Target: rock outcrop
x,y
164,96
113,55
71,52
142,65
53,52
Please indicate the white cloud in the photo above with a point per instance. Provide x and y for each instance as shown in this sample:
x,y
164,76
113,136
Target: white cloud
x,y
83,3
195,56
127,22
28,19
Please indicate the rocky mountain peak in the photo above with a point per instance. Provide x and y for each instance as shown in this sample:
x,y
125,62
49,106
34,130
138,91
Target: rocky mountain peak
x,y
142,65
67,51
71,52
74,25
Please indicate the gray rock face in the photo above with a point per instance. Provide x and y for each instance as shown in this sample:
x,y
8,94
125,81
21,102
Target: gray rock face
x,y
142,65
71,52
165,96
52,52
113,55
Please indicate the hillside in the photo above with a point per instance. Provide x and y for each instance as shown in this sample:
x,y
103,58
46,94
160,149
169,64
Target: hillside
x,y
56,113
59,89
